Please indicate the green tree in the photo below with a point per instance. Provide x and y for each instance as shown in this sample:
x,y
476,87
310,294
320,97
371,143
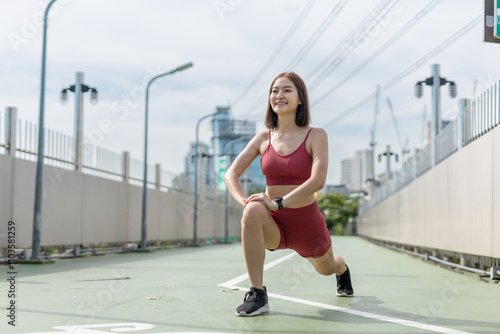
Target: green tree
x,y
256,190
337,211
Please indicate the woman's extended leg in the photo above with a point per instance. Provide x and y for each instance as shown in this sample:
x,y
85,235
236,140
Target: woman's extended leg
x,y
258,232
330,264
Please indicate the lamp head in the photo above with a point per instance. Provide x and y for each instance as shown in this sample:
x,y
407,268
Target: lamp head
x,y
452,89
183,67
93,95
64,96
222,110
419,89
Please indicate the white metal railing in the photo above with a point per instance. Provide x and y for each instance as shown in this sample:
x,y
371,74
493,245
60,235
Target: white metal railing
x,y
477,117
101,162
423,160
60,152
447,140
481,114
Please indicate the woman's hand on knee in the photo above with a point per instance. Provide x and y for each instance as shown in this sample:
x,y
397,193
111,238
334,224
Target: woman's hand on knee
x,y
263,198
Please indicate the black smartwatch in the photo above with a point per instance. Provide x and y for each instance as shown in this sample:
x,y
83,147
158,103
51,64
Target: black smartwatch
x,y
279,200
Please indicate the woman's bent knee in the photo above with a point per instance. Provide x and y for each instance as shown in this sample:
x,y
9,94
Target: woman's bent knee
x,y
253,212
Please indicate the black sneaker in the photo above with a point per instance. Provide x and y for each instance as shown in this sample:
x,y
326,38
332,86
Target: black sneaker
x,y
255,303
344,287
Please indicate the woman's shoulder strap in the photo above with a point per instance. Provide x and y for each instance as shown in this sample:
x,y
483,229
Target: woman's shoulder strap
x,y
308,132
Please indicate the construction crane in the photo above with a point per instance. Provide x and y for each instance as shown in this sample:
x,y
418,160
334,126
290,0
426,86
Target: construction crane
x,y
373,143
404,147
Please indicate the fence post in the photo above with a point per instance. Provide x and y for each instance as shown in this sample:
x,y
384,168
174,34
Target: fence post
x,y
10,129
126,166
497,97
183,184
488,109
463,119
158,176
496,109
78,120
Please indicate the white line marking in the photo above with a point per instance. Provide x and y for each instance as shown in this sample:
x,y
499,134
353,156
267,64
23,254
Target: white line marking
x,y
366,314
231,284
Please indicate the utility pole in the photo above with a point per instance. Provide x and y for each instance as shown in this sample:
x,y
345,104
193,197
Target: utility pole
x,y
37,215
373,143
436,82
79,88
436,115
388,155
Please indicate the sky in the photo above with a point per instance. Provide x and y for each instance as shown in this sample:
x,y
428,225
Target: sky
x,y
342,49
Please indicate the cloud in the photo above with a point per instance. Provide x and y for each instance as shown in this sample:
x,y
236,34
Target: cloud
x,y
118,44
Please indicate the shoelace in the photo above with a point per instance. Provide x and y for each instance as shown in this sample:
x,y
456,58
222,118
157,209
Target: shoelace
x,y
250,296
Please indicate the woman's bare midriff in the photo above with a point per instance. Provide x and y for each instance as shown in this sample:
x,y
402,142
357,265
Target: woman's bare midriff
x,y
282,190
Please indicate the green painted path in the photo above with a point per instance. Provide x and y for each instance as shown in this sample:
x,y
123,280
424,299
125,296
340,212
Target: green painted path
x,y
196,290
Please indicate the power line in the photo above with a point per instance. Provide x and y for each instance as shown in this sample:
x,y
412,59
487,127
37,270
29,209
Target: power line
x,y
318,32
349,37
356,36
384,47
410,69
293,28
310,42
352,41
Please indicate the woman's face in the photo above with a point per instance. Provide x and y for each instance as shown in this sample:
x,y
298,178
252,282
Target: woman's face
x,y
284,96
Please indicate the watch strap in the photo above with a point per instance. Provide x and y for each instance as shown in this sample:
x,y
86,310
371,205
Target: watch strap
x,y
279,201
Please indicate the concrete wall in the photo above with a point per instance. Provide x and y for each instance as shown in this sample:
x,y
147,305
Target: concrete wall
x,y
83,209
454,206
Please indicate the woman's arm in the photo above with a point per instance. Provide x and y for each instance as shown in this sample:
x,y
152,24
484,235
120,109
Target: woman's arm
x,y
242,162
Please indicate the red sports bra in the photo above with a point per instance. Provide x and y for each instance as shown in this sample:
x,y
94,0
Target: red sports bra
x,y
288,169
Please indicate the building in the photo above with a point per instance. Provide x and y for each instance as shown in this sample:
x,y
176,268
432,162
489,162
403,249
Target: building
x,y
206,183
356,171
230,136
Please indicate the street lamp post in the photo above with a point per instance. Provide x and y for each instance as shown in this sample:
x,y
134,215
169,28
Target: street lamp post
x,y
79,88
388,153
226,195
37,216
436,82
145,178
195,214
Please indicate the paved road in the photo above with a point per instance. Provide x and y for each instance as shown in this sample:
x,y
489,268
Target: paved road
x,y
196,290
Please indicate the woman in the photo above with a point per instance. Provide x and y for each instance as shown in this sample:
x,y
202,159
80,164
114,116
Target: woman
x,y
295,163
